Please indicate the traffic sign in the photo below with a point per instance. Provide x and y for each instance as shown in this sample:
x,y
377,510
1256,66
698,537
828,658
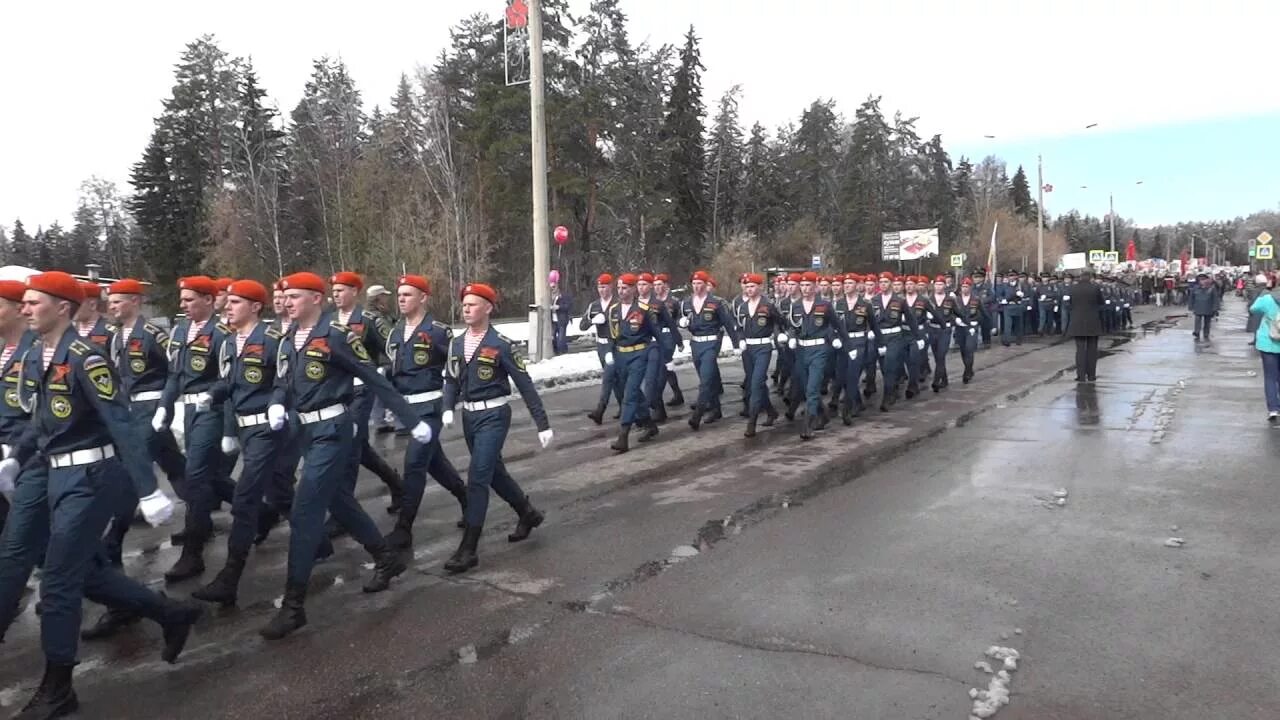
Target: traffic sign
x,y
1264,238
1253,247
1113,257
1096,256
816,263
957,260
1265,252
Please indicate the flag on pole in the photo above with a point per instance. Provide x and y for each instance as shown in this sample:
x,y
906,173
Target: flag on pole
x,y
1131,252
991,255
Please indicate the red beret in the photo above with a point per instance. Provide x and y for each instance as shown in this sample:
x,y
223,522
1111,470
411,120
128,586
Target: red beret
x,y
92,290
886,275
941,279
251,290
304,281
809,277
57,284
223,283
12,290
662,277
347,278
646,277
415,281
752,279
967,281
604,279
793,277
200,284
480,290
279,286
127,286
627,279
702,275
837,278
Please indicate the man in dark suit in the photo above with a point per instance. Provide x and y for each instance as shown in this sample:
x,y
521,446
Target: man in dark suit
x,y
1085,325
561,308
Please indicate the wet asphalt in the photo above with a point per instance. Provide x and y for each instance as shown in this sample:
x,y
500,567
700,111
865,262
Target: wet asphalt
x,y
862,574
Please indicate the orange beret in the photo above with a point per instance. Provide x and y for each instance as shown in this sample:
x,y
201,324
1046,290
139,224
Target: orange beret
x,y
752,279
127,286
223,283
347,278
251,290
199,283
967,281
646,277
418,282
702,275
304,281
92,290
837,278
480,290
12,290
941,279
58,284
886,275
662,277
604,279
793,277
627,279
809,277
279,286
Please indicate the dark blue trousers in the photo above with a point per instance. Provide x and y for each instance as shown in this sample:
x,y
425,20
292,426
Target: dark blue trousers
x,y
939,343
259,453
163,449
420,459
633,368
811,366
755,365
609,384
1011,316
705,360
894,362
25,537
853,369
204,470
654,377
486,433
967,340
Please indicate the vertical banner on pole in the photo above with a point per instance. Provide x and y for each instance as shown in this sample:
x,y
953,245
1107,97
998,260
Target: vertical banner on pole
x,y
515,42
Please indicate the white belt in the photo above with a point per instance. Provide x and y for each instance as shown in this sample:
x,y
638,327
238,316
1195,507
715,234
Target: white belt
x,y
147,395
357,382
245,421
759,341
811,343
485,404
704,338
422,397
859,334
324,413
666,330
891,331
602,341
7,449
82,457
195,398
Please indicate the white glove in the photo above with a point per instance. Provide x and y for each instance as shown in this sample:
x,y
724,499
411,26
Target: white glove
x,y
853,354
883,350
597,319
447,418
792,344
1003,301
684,322
544,437
782,338
973,331
671,366
1066,297
919,344
608,358
203,402
382,371
422,432
742,344
8,473
157,508
1108,302
959,323
836,343
276,416
229,445
1019,293
1042,298
160,420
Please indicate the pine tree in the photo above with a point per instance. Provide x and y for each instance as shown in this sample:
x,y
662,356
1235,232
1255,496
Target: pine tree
x,y
725,169
84,240
4,247
682,138
868,163
20,246
940,203
813,163
1020,195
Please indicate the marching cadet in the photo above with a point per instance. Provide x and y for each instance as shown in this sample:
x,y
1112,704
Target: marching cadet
x,y
787,355
246,370
1013,309
973,315
193,371
17,340
319,360
760,323
947,316
372,330
90,322
655,372
706,316
987,294
633,330
1046,293
670,340
812,321
80,433
278,319
220,300
848,296
418,348
860,331
898,330
595,317
23,545
481,367
917,353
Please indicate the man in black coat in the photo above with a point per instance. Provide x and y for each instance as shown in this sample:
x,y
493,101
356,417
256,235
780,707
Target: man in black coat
x,y
1085,325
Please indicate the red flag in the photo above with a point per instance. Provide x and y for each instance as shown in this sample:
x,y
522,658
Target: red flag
x,y
1131,252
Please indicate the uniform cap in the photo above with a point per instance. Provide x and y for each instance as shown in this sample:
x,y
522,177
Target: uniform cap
x,y
852,277
127,286
12,290
202,284
604,279
58,284
794,277
662,277
837,278
886,275
304,281
223,283
376,291
941,279
348,278
250,290
809,277
743,278
646,277
279,285
967,281
417,282
627,279
702,275
480,290
752,279
92,290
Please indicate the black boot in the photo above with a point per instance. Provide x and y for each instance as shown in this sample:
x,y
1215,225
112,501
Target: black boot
x,y
386,565
292,615
712,416
846,414
268,518
395,486
622,445
597,415
178,628
658,412
464,558
190,564
400,537
821,422
54,698
695,420
677,397
771,417
968,376
530,518
650,431
223,588
461,496
806,431
109,623
751,426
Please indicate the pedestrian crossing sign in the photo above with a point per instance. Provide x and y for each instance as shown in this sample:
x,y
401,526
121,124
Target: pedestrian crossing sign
x,y
1264,252
957,260
1096,256
1113,257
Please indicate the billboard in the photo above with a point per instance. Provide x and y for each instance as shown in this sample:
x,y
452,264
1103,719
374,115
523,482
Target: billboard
x,y
1074,261
909,244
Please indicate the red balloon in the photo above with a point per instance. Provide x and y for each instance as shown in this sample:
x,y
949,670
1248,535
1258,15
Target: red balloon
x,y
562,235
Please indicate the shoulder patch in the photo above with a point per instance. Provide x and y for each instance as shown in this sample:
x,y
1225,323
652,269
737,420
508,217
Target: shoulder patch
x,y
224,328
339,327
153,329
504,338
357,346
80,348
440,325
94,361
273,333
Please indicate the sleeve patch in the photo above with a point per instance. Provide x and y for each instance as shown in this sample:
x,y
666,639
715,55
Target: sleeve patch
x,y
357,347
103,382
81,349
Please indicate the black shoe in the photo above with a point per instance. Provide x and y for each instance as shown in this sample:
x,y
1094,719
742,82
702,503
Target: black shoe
x,y
397,502
268,518
771,417
869,391
178,628
178,539
911,393
109,623
650,432
659,413
676,400
190,564
712,416
622,445
966,378
695,420
617,413
806,431
54,698
820,423
400,538
464,558
530,518
223,588
597,415
751,427
292,615
936,388
386,565
846,415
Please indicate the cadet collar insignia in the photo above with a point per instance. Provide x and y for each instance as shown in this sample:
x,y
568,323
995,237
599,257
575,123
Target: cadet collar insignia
x,y
60,372
201,340
489,352
135,344
254,349
318,344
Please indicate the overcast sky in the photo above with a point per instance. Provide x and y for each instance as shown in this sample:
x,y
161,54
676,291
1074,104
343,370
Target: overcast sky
x,y
81,81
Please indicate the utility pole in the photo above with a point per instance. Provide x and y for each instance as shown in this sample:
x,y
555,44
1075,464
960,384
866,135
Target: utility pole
x,y
540,333
1040,216
1112,199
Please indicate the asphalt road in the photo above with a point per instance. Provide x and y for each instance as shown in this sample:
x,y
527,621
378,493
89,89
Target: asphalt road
x,y
862,574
